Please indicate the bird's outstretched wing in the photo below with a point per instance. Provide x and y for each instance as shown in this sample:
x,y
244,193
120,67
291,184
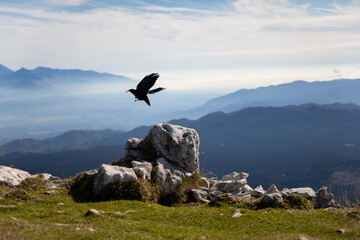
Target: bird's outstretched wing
x,y
147,82
156,90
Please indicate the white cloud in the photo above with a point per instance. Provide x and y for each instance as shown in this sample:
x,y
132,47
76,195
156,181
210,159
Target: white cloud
x,y
254,34
66,2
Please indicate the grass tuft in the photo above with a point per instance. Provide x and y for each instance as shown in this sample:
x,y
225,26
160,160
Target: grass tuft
x,y
234,201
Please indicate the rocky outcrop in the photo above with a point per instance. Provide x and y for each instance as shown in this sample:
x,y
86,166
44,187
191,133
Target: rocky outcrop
x,y
176,144
230,186
235,176
12,177
168,175
142,169
46,176
305,192
270,198
134,149
258,192
200,195
110,174
323,199
169,154
272,189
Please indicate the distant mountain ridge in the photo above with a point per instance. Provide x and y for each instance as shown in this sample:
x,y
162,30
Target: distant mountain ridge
x,y
292,145
4,70
74,139
43,77
293,93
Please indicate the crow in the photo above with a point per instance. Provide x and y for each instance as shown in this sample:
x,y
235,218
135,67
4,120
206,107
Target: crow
x,y
142,89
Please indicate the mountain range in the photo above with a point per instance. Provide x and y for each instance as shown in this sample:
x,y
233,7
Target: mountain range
x,y
293,93
305,145
41,77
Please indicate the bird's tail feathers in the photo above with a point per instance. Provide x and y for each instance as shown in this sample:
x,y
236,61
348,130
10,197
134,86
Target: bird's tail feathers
x,y
156,90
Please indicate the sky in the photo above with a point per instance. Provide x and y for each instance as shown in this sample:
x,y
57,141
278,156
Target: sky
x,y
218,45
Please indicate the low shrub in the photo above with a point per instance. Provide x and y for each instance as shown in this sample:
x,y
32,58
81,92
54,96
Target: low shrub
x,y
235,201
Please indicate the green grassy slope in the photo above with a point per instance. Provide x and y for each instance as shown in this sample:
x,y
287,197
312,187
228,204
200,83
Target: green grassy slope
x,y
57,216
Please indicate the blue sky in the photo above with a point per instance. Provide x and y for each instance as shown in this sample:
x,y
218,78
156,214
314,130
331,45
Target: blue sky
x,y
193,44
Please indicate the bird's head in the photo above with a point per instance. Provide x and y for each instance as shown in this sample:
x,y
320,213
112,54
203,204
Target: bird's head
x,y
131,90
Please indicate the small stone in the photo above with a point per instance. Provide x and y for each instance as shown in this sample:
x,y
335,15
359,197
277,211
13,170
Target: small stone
x,y
92,212
53,185
90,229
51,192
237,213
340,231
347,213
8,206
130,211
302,238
60,204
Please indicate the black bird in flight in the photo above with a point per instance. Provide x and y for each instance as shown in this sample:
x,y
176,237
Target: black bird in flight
x,y
142,89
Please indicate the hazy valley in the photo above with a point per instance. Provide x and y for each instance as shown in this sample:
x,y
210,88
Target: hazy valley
x,y
298,134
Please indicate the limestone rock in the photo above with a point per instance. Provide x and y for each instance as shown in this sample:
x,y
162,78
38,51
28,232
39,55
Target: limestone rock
x,y
272,189
305,192
111,174
213,194
323,199
258,192
235,176
53,185
200,195
133,148
237,213
12,177
177,144
204,182
89,173
245,196
212,181
270,198
204,189
46,176
246,189
51,192
168,176
229,186
92,212
142,169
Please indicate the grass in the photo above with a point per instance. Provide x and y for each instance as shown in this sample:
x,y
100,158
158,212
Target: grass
x,y
58,216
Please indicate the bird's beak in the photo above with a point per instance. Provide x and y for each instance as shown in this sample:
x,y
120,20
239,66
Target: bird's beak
x,y
126,91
